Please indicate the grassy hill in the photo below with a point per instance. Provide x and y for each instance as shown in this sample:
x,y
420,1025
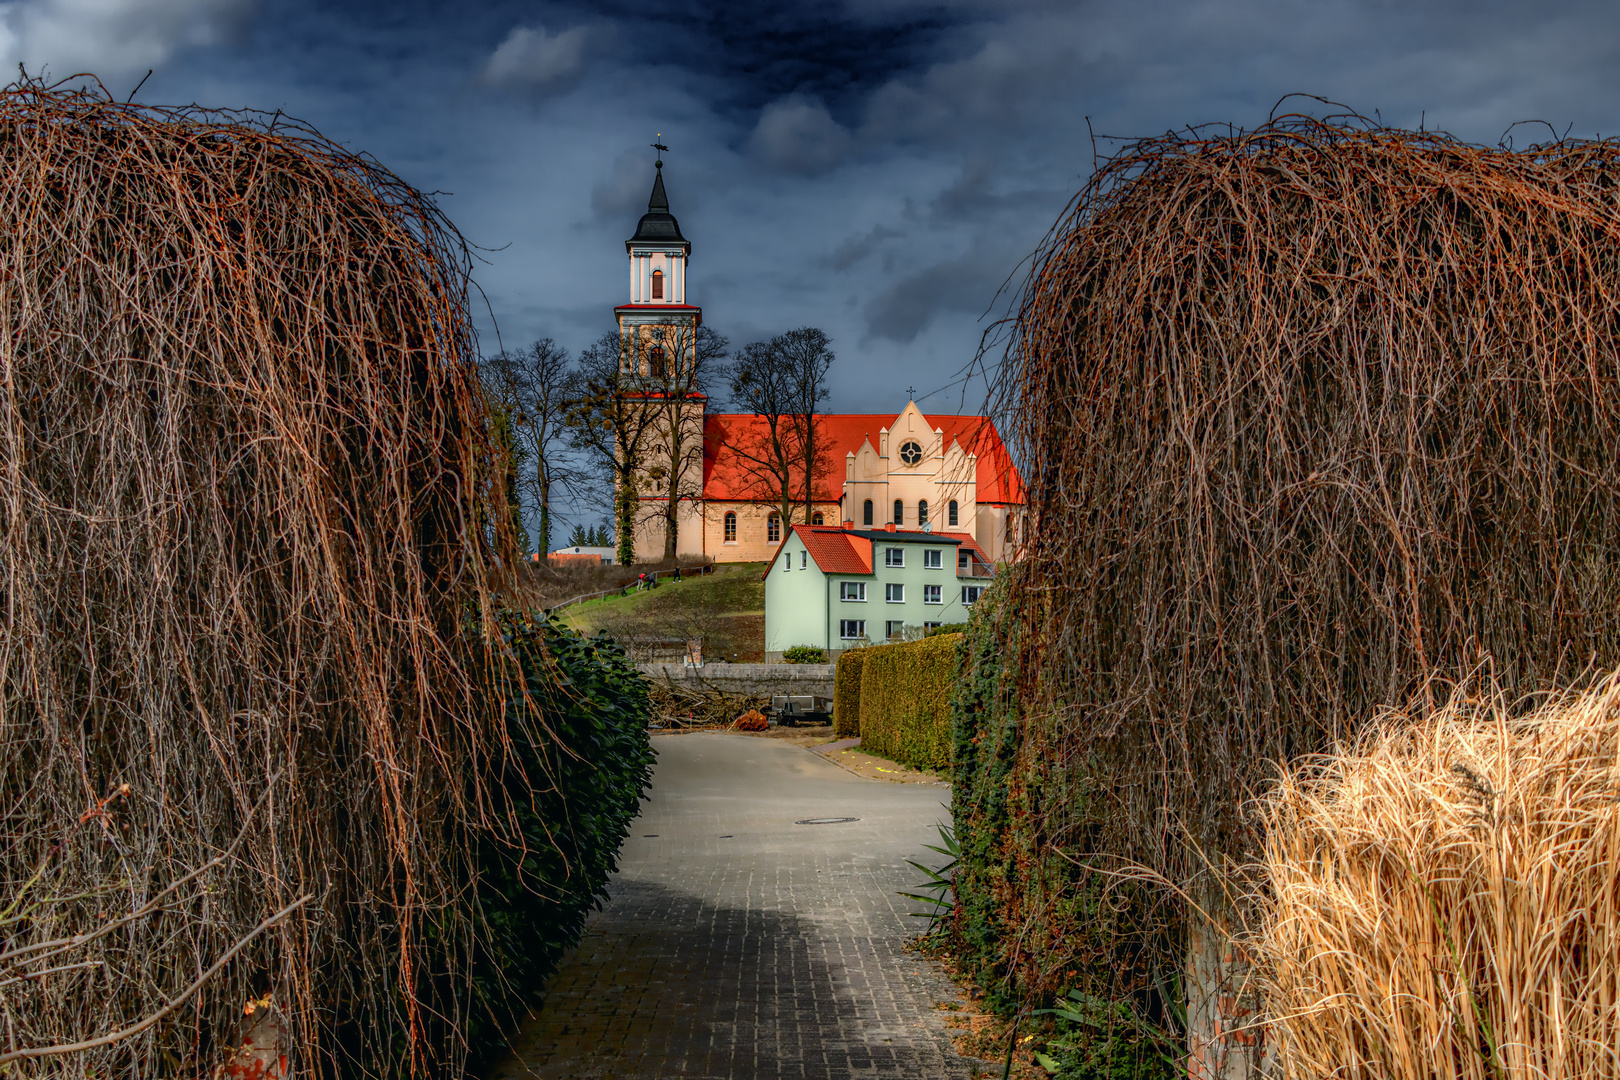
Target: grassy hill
x,y
725,610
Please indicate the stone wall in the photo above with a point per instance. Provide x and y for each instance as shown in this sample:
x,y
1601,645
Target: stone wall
x,y
751,678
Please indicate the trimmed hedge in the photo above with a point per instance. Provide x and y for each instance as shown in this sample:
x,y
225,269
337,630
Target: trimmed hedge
x,y
804,654
847,693
905,699
586,762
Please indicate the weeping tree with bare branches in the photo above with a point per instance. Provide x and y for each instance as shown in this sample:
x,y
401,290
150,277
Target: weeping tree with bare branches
x,y
249,535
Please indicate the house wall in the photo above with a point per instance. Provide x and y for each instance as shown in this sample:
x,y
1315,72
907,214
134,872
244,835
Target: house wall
x,y
795,601
800,603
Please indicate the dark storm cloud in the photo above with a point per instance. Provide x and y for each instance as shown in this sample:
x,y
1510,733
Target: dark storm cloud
x,y
875,168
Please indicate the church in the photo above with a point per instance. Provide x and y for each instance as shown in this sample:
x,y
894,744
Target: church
x,y
914,471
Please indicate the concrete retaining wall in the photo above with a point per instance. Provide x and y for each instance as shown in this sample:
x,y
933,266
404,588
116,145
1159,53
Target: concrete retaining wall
x,y
751,678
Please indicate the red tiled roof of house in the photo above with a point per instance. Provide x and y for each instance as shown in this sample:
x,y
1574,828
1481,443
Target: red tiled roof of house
x,y
834,550
729,475
846,551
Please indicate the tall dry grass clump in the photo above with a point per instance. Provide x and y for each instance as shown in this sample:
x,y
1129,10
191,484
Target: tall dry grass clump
x,y
1445,897
244,532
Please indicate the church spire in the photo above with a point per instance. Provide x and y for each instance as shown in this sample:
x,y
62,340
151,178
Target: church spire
x,y
659,203
658,225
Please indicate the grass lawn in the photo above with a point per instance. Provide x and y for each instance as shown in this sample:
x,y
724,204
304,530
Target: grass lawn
x,y
726,609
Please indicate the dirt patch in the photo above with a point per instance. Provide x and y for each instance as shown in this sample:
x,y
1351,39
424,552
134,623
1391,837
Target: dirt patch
x,y
873,767
980,1035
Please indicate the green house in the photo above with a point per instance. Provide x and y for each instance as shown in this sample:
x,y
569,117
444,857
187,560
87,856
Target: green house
x,y
842,588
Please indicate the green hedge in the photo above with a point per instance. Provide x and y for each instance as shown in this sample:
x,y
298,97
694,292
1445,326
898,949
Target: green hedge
x,y
847,693
905,697
586,763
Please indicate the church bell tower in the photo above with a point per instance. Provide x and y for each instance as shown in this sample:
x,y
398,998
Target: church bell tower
x,y
658,349
657,326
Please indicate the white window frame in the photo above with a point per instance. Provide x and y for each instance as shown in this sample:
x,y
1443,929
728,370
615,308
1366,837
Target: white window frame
x,y
804,559
895,556
894,628
931,626
931,594
964,559
856,587
933,559
976,590
844,626
889,590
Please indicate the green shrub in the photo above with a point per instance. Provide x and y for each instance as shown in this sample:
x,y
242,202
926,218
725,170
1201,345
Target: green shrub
x,y
805,654
948,628
905,697
847,693
586,761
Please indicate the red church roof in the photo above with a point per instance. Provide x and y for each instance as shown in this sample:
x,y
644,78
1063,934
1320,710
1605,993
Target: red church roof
x,y
729,475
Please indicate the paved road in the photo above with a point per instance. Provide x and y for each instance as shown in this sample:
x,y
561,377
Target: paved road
x,y
739,945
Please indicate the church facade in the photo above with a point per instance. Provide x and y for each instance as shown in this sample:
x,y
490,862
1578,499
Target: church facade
x,y
912,471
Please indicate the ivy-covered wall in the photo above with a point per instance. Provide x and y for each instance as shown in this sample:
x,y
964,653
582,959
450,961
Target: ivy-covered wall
x,y
1036,921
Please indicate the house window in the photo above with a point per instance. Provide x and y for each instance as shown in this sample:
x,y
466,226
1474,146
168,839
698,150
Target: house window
x,y
894,556
931,626
894,593
731,527
971,594
964,559
951,513
773,528
866,513
849,629
911,453
655,362
931,559
817,519
894,628
931,594
899,512
658,285
922,512
804,559
852,590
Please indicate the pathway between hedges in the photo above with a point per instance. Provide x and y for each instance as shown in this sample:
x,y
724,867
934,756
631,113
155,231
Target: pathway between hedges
x,y
738,945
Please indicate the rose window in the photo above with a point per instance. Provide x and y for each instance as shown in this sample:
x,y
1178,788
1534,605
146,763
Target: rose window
x,y
911,453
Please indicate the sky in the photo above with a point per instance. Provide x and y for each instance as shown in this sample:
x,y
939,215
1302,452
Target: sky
x,y
880,169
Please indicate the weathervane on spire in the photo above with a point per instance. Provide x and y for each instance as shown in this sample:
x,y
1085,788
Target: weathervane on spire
x,y
662,150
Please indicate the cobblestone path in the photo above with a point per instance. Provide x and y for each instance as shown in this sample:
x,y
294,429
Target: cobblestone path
x,y
738,945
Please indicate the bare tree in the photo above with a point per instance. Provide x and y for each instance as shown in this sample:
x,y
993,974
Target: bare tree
x,y
609,422
784,381
806,355
680,381
759,385
539,387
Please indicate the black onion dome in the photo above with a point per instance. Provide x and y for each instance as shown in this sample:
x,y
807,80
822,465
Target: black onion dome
x,y
658,225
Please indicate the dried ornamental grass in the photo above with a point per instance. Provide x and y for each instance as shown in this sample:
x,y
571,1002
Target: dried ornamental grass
x,y
243,527
1445,897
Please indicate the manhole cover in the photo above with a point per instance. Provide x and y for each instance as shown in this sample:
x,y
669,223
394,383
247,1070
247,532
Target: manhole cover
x,y
825,820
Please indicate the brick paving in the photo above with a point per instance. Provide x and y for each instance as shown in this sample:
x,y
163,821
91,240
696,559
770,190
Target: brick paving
x,y
738,945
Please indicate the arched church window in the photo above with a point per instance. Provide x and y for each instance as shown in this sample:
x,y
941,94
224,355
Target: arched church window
x,y
817,519
731,527
866,513
899,512
655,362
922,512
951,513
658,285
773,528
